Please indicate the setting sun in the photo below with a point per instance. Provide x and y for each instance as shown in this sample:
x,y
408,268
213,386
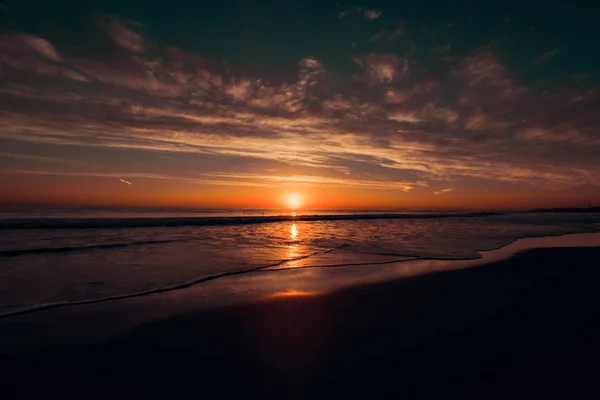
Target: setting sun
x,y
293,201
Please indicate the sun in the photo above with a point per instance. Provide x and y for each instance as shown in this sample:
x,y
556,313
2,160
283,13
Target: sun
x,y
293,201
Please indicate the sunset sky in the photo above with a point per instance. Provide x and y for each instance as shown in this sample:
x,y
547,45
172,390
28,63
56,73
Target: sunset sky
x,y
247,103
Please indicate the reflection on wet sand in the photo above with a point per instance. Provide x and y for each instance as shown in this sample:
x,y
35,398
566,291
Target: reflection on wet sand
x,y
291,293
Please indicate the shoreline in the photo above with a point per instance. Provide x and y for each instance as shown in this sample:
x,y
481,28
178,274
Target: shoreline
x,y
529,322
415,266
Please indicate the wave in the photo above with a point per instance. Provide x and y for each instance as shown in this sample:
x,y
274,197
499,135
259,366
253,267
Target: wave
x,y
184,285
67,249
86,223
162,289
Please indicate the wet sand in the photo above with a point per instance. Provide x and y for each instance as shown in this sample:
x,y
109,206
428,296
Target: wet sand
x,y
528,327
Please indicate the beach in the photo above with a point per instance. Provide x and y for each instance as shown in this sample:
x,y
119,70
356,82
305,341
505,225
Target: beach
x,y
520,327
299,200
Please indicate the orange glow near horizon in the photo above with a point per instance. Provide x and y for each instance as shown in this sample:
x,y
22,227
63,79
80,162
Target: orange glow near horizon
x,y
94,191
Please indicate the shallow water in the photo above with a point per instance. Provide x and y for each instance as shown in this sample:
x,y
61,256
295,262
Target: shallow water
x,y
68,263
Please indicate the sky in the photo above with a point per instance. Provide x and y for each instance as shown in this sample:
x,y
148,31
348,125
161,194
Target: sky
x,y
369,104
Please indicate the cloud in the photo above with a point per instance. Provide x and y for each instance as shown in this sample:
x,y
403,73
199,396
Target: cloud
x,y
384,68
481,121
389,124
372,14
30,157
487,81
21,52
545,57
396,33
366,13
442,191
122,32
238,179
42,46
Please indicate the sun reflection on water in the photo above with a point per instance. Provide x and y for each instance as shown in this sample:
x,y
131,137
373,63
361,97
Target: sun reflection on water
x,y
294,249
293,232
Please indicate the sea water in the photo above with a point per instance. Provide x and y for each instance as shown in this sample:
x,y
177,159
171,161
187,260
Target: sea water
x,y
62,255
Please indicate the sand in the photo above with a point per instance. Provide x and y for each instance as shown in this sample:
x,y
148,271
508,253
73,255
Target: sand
x,y
523,327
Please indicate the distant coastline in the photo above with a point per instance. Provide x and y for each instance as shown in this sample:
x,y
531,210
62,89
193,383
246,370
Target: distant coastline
x,y
595,209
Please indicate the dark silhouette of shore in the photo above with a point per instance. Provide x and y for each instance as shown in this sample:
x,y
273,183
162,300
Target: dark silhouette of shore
x,y
527,327
589,209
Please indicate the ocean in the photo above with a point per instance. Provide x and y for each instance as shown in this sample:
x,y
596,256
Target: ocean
x,y
70,255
